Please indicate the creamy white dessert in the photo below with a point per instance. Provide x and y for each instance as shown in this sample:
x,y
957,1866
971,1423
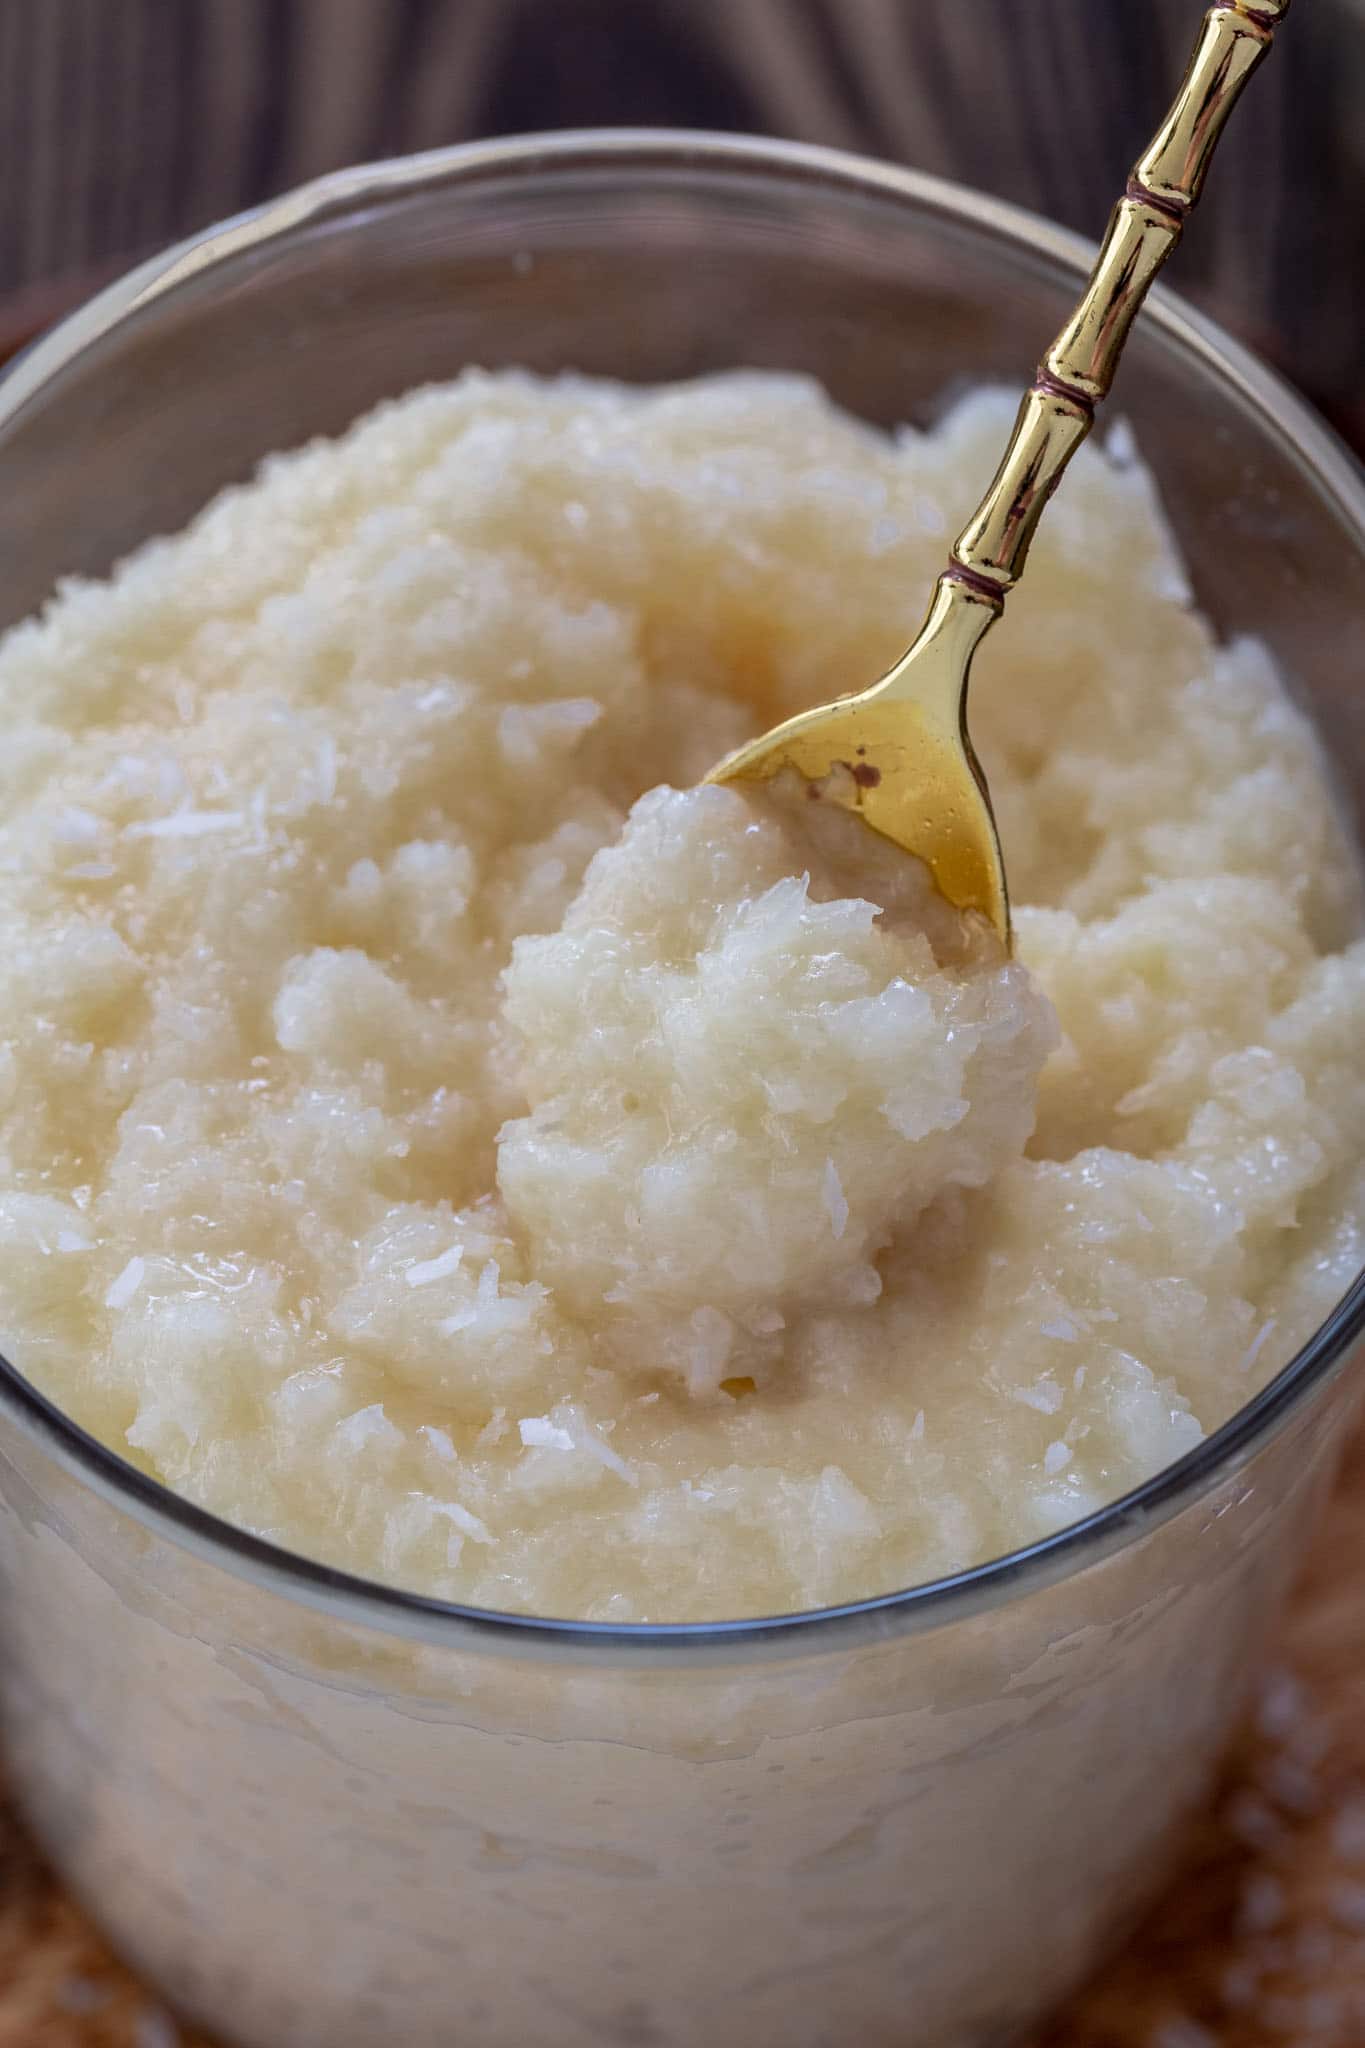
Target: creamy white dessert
x,y
437,1137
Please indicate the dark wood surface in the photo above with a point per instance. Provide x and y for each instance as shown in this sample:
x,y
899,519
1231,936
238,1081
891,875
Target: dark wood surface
x,y
126,123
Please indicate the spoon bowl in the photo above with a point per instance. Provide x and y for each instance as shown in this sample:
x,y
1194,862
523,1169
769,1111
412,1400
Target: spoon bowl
x,y
899,754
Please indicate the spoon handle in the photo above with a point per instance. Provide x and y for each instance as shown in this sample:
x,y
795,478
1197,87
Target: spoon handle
x,y
1058,409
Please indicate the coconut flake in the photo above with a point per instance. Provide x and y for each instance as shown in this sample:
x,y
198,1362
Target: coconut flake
x,y
463,1520
586,1438
1045,1395
440,1268
440,1442
122,1290
367,1426
463,1319
1062,1328
539,1433
494,1430
835,1200
1120,445
325,770
185,825
1256,1346
1056,1458
842,1510
485,1297
496,1314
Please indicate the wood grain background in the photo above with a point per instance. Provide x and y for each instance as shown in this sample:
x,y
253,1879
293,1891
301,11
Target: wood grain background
x,y
126,123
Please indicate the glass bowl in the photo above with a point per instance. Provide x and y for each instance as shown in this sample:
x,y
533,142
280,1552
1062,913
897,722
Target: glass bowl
x,y
320,1813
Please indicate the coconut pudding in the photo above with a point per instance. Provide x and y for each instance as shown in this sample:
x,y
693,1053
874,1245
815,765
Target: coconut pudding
x,y
439,1137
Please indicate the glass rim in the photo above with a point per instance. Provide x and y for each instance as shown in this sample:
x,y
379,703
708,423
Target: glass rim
x,y
1315,450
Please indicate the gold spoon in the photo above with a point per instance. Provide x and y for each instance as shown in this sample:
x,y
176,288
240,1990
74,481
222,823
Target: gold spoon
x,y
899,754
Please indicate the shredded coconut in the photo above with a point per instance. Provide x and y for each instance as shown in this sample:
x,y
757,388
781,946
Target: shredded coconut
x,y
121,1291
440,1268
468,1524
185,825
540,1432
832,1192
399,1039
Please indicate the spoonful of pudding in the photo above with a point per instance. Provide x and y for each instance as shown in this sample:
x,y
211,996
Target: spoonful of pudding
x,y
899,754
